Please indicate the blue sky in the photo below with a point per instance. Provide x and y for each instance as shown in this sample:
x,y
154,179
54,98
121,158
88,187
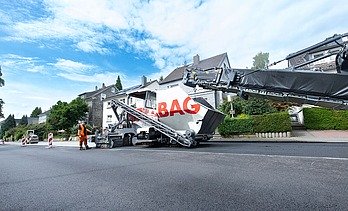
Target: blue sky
x,y
53,50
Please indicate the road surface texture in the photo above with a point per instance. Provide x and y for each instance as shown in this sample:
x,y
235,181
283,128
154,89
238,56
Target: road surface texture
x,y
215,176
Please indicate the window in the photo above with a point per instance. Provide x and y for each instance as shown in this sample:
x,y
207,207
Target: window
x,y
173,85
317,55
150,100
109,118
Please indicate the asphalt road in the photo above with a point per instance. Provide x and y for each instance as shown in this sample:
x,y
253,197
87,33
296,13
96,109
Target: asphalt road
x,y
215,176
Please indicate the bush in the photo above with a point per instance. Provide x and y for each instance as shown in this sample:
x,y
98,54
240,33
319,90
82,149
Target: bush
x,y
40,130
325,119
235,127
276,122
10,134
19,132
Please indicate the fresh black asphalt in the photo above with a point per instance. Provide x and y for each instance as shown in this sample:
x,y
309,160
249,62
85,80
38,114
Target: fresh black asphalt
x,y
214,176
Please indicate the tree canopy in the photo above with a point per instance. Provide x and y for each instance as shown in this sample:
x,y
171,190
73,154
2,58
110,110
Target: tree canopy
x,y
118,83
36,112
65,115
7,125
252,106
261,61
2,83
1,106
24,120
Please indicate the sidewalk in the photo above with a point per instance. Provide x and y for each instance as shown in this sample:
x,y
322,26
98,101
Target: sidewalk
x,y
324,136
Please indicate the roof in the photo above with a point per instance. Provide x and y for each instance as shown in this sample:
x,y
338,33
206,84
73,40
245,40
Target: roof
x,y
45,113
130,90
178,73
96,92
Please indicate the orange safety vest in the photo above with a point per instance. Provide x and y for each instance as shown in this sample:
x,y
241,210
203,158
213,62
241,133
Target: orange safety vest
x,y
83,130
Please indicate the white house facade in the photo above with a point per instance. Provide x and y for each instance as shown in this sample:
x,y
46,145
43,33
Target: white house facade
x,y
128,96
214,98
43,117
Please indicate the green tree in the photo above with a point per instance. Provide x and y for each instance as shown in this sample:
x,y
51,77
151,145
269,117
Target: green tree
x,y
77,110
24,120
57,118
257,106
118,83
36,112
252,106
2,83
7,125
65,115
261,61
161,78
1,106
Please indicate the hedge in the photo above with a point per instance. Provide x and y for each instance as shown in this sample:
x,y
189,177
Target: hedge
x,y
325,119
276,122
235,127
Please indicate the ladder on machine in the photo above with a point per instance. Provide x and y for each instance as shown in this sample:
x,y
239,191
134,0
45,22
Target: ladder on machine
x,y
163,128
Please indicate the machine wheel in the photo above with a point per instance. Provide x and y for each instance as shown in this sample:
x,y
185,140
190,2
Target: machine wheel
x,y
97,145
194,143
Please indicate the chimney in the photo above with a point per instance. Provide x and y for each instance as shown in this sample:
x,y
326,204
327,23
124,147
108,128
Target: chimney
x,y
103,85
96,88
143,80
196,60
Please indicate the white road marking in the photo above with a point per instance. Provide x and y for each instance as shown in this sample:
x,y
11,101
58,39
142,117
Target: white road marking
x,y
236,154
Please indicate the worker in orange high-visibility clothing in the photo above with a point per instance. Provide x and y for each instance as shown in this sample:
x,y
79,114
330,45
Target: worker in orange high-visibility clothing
x,y
82,133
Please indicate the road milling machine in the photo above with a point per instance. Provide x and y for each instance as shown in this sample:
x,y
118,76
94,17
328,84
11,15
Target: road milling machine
x,y
168,116
171,116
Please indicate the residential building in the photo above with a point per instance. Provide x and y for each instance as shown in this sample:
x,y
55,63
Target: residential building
x,y
327,64
94,99
43,116
214,98
131,96
33,120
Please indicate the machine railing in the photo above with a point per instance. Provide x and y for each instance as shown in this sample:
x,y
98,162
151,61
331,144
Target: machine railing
x,y
163,128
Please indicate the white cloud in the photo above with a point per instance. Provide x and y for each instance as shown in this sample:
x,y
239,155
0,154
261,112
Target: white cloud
x,y
15,63
4,18
91,46
30,95
101,12
80,72
72,66
168,32
107,78
171,32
